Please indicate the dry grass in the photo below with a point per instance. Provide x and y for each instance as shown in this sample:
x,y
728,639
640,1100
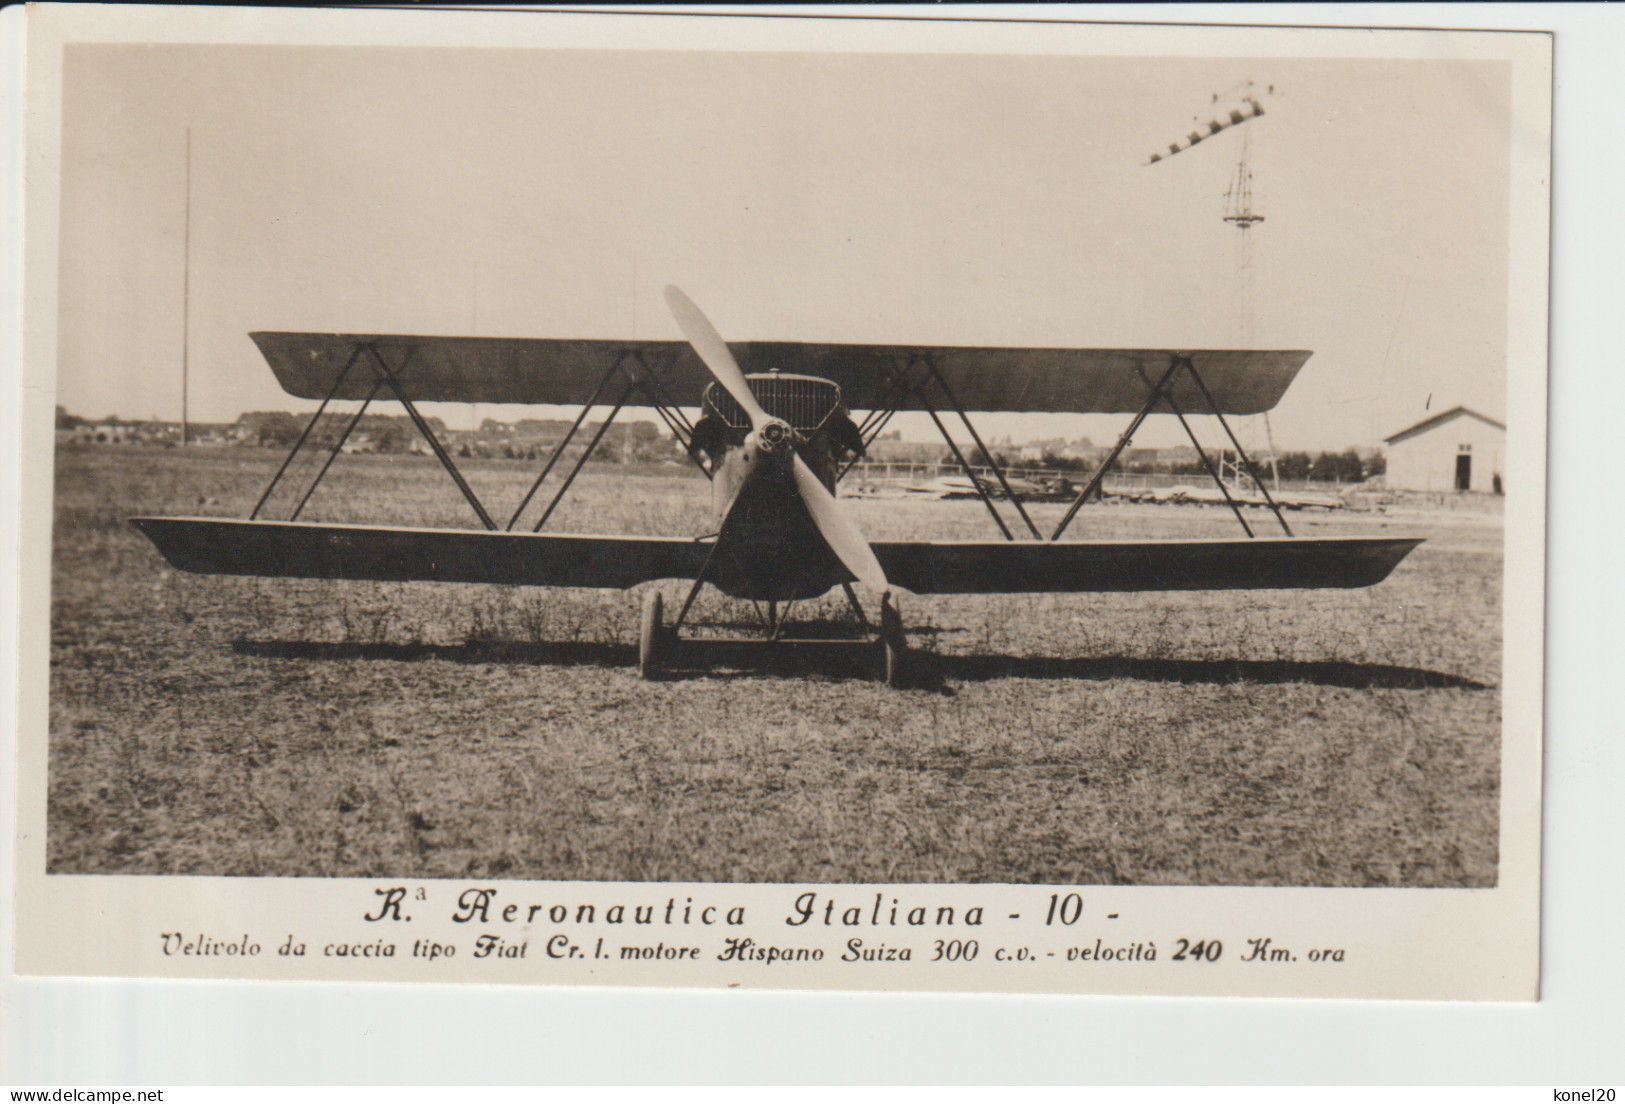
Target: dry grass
x,y
242,726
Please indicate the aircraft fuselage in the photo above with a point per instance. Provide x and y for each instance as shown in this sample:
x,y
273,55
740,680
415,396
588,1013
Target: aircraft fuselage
x,y
769,547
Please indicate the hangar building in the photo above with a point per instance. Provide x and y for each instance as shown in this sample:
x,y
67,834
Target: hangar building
x,y
1459,450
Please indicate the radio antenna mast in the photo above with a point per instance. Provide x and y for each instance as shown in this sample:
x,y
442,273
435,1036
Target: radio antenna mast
x,y
1238,203
186,295
1238,211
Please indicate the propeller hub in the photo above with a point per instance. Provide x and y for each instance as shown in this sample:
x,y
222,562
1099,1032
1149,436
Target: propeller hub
x,y
774,436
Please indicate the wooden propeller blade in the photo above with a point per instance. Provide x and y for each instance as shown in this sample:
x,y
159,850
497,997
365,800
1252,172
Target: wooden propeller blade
x,y
714,352
837,529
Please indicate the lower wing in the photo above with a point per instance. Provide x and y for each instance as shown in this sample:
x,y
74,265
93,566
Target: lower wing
x,y
219,546
1012,567
290,549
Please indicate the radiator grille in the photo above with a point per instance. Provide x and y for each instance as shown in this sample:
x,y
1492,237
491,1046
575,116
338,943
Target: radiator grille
x,y
805,402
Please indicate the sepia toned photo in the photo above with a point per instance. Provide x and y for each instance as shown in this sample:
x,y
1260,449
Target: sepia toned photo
x,y
851,488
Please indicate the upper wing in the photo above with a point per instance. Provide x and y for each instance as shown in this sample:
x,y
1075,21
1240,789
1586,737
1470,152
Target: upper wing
x,y
1077,381
473,369
565,372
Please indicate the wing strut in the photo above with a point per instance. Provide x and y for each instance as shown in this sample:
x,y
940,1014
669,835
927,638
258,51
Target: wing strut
x,y
669,411
631,386
338,446
355,354
642,378
428,434
919,394
1246,461
970,472
1163,393
384,376
874,422
930,362
1208,464
564,441
631,363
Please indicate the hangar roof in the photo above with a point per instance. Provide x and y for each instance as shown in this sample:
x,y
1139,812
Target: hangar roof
x,y
1439,420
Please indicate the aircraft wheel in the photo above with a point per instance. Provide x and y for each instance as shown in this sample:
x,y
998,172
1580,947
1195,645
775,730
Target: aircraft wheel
x,y
894,645
650,631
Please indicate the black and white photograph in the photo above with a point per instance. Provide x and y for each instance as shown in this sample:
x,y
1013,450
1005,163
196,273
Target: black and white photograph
x,y
552,468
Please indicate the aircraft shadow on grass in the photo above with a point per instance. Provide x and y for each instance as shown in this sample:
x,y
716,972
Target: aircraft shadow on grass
x,y
839,659
1220,672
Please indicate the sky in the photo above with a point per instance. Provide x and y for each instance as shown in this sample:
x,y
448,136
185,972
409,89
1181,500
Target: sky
x,y
844,197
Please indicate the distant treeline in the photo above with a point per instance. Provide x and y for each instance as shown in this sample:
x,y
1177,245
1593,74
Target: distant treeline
x,y
1348,466
531,439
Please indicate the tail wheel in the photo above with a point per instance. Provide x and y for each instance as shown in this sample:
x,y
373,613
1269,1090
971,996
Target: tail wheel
x,y
651,631
894,645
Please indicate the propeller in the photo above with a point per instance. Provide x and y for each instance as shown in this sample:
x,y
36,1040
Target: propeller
x,y
715,353
773,434
838,530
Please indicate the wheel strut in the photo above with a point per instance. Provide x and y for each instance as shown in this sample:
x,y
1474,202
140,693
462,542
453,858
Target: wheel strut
x,y
893,643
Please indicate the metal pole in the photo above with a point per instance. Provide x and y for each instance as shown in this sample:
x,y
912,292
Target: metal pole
x,y
186,296
688,444
874,423
659,394
857,607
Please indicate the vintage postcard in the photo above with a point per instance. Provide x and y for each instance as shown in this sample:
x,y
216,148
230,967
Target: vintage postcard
x,y
586,499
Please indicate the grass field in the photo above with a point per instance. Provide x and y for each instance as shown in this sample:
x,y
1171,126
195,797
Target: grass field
x,y
282,727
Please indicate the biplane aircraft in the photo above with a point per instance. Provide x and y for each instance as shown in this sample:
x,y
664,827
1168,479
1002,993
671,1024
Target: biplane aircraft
x,y
776,430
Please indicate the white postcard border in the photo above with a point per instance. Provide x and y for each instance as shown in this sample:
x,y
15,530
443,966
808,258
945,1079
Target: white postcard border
x,y
1431,944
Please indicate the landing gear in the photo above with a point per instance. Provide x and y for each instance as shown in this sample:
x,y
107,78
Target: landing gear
x,y
657,641
893,644
651,635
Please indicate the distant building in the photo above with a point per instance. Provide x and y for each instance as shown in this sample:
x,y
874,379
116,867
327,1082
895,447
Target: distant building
x,y
1081,449
1459,450
1178,454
